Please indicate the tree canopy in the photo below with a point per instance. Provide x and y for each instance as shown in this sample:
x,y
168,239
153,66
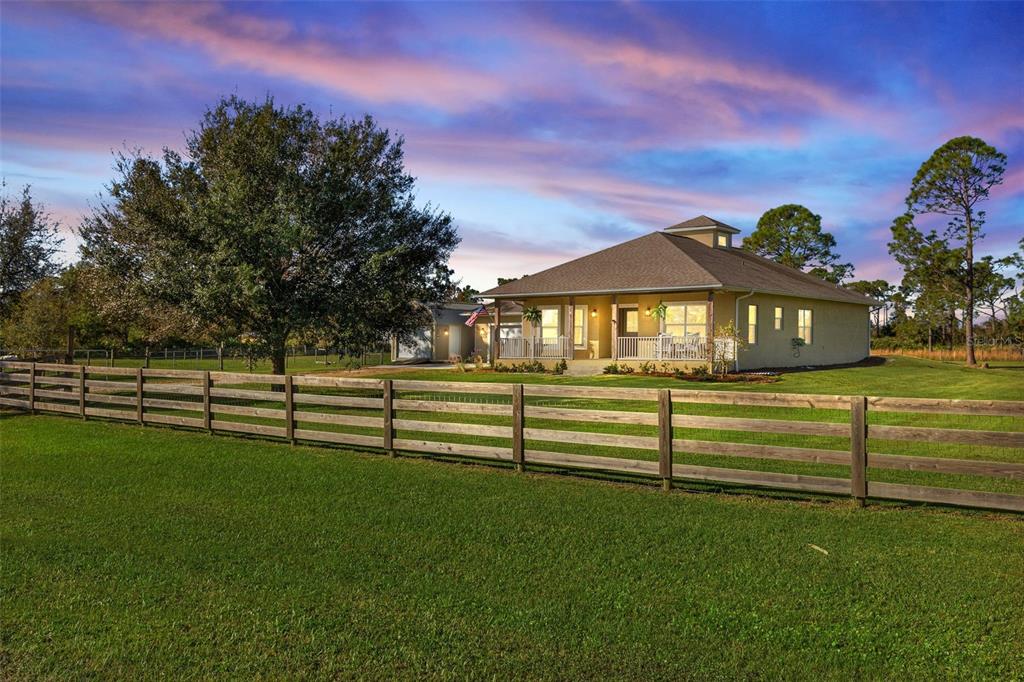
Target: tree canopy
x,y
791,235
276,223
29,242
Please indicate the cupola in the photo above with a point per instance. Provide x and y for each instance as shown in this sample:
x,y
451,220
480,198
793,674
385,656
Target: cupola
x,y
708,231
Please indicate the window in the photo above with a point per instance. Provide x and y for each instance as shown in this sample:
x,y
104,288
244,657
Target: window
x,y
548,323
579,326
723,240
632,321
686,320
778,318
804,324
751,324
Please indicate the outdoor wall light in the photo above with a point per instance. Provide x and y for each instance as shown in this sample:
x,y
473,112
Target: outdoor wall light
x,y
647,313
593,313
446,332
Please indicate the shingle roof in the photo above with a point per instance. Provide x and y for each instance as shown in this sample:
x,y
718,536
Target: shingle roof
x,y
666,262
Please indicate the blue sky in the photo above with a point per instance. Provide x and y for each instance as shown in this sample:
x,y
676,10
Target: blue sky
x,y
547,130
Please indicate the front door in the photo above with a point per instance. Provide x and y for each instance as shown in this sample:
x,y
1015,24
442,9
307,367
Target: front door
x,y
628,327
629,321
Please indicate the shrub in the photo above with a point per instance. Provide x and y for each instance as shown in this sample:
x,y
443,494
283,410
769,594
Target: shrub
x,y
560,367
626,369
647,367
612,368
700,371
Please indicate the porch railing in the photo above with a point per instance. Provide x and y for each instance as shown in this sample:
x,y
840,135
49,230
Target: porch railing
x,y
663,348
524,348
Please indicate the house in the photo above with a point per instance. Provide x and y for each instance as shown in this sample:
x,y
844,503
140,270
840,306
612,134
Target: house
x,y
660,298
445,337
448,336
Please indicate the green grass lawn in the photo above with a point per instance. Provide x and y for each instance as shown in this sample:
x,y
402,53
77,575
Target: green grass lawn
x,y
894,376
135,552
294,364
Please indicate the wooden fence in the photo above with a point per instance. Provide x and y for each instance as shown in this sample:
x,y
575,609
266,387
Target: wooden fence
x,y
407,415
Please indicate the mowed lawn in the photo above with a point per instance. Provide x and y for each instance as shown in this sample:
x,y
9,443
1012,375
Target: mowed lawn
x,y
134,552
881,376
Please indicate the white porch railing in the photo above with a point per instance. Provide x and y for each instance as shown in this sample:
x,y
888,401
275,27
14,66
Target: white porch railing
x,y
663,348
533,348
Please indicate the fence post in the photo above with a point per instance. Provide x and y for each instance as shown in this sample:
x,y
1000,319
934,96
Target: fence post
x,y
858,448
32,388
139,404
81,391
389,417
206,402
518,451
665,438
289,408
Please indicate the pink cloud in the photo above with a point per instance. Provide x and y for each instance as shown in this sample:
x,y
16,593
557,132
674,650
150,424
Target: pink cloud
x,y
275,49
722,90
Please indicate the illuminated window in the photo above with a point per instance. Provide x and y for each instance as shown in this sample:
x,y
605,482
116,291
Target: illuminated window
x,y
686,320
778,318
549,323
804,325
751,324
723,240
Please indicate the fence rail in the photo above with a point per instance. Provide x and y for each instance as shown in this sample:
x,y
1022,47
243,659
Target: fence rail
x,y
410,416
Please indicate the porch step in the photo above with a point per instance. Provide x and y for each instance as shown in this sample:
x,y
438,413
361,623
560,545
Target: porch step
x,y
587,368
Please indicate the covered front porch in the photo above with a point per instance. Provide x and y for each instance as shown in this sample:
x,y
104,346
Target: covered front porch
x,y
670,327
661,347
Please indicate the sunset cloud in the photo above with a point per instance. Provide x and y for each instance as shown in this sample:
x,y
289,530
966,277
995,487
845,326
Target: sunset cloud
x,y
546,129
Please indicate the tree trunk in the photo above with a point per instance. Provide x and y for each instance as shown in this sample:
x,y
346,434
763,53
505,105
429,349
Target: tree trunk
x,y
69,355
969,312
277,355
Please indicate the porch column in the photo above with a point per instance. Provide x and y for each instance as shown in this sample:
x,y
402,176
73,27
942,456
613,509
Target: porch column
x,y
572,325
615,327
711,328
496,333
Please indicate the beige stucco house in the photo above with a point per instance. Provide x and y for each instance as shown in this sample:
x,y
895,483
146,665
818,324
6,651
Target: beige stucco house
x,y
661,297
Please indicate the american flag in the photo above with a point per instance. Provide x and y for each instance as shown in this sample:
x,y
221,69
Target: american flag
x,y
471,320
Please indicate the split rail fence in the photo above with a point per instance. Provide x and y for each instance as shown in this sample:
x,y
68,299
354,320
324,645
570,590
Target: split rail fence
x,y
542,425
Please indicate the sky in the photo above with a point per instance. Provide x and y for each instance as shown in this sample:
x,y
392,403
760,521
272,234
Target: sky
x,y
547,131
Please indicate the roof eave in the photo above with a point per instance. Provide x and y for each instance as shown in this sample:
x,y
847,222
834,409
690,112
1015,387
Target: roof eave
x,y
600,292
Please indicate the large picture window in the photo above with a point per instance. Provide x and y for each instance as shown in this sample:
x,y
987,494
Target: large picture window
x,y
804,325
686,319
549,324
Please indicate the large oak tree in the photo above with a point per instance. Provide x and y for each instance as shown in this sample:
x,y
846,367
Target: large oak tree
x,y
276,223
